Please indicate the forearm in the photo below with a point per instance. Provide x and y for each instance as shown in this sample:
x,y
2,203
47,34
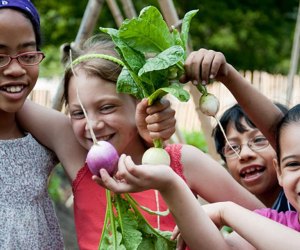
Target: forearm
x,y
259,108
189,215
261,232
205,175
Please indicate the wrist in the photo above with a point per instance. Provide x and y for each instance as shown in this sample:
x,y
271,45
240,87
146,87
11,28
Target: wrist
x,y
171,183
231,75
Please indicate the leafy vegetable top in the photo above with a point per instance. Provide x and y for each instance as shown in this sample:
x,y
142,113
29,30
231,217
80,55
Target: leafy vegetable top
x,y
152,54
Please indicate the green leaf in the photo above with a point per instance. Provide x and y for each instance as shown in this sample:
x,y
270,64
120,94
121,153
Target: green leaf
x,y
186,26
147,243
126,84
132,58
163,60
175,89
128,224
177,38
148,32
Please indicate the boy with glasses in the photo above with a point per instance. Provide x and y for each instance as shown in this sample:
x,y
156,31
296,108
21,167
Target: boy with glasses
x,y
249,157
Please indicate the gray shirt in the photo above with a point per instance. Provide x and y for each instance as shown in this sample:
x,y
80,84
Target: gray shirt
x,y
27,215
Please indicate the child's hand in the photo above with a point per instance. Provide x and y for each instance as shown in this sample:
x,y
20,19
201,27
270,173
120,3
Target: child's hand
x,y
180,245
135,178
204,65
155,121
215,211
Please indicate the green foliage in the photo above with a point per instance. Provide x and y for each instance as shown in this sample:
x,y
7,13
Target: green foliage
x,y
136,40
55,184
126,228
51,66
196,139
253,35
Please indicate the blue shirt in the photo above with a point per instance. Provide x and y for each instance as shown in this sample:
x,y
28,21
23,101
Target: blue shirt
x,y
281,204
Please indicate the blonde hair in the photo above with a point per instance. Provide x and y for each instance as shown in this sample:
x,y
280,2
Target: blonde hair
x,y
95,66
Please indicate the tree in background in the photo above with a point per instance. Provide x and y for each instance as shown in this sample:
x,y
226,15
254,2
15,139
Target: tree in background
x,y
254,35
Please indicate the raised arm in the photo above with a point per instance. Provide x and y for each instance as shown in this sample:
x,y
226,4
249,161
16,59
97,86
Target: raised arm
x,y
204,65
259,108
53,129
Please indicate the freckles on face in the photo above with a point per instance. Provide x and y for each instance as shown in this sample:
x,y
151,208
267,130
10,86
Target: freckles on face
x,y
112,114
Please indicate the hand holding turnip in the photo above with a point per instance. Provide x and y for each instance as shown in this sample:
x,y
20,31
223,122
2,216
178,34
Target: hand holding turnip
x,y
204,65
201,67
155,121
136,178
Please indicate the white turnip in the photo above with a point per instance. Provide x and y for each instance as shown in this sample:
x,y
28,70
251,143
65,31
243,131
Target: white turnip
x,y
209,105
156,156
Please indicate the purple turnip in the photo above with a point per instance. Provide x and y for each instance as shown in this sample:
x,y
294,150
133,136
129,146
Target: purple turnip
x,y
102,155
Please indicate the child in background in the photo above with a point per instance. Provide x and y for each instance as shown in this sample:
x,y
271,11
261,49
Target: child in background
x,y
112,117
27,215
253,169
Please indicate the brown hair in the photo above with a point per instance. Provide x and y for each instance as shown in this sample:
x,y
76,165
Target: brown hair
x,y
98,67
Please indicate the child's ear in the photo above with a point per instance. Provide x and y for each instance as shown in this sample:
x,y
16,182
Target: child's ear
x,y
278,171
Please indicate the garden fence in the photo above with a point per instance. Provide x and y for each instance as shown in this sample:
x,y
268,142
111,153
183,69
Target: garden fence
x,y
274,86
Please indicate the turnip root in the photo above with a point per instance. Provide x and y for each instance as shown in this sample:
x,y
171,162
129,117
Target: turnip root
x,y
156,156
102,155
209,104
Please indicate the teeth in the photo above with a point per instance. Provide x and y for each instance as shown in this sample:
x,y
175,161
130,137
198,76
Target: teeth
x,y
13,89
250,170
104,138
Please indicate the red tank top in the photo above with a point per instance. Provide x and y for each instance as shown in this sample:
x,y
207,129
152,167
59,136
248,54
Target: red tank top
x,y
90,204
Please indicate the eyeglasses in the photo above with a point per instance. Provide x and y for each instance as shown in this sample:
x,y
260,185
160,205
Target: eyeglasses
x,y
26,59
255,144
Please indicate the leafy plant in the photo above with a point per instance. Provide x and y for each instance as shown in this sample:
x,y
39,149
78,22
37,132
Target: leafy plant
x,y
196,139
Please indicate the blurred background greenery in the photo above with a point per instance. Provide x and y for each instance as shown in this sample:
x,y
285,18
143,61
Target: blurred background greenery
x,y
253,35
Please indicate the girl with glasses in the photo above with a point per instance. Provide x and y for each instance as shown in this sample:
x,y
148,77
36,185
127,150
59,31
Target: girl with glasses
x,y
27,215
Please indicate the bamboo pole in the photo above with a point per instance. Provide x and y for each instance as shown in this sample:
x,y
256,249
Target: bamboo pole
x,y
294,58
171,17
115,10
86,28
128,8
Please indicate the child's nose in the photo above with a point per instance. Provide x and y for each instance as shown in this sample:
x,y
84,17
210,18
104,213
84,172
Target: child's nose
x,y
246,151
95,124
14,68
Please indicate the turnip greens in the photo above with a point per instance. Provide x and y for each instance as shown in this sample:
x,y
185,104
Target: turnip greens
x,y
153,58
